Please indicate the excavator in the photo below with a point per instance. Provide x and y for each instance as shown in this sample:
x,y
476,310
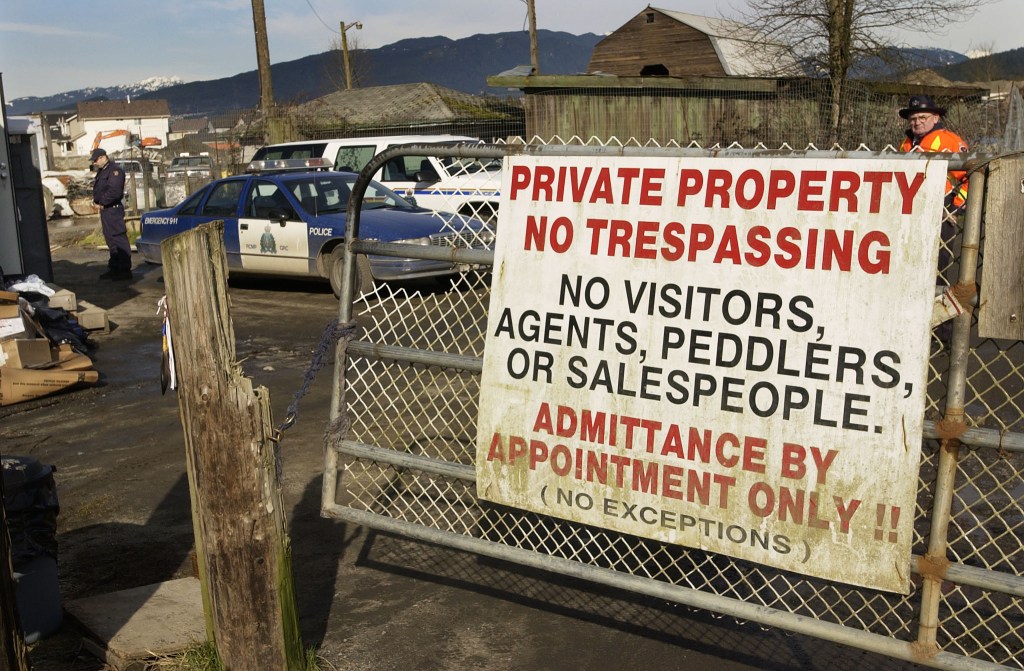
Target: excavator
x,y
105,135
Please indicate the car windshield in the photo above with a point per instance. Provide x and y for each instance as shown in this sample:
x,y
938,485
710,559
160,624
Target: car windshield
x,y
327,193
272,152
190,161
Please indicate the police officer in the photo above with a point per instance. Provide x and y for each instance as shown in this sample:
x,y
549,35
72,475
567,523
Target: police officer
x,y
107,193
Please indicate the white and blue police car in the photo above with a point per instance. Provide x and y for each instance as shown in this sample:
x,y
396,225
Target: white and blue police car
x,y
279,221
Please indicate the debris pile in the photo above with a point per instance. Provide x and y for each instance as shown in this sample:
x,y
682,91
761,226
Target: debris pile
x,y
44,340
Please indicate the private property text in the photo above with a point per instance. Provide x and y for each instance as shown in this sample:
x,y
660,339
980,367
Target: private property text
x,y
844,191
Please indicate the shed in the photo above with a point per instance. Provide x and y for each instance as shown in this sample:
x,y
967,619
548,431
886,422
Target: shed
x,y
182,127
401,109
668,43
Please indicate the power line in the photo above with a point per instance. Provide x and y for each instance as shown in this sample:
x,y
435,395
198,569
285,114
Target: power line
x,y
313,9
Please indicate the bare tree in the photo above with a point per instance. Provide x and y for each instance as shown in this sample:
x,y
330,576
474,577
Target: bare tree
x,y
828,37
359,63
982,67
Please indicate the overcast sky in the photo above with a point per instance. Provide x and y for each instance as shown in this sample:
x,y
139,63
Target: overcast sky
x,y
51,46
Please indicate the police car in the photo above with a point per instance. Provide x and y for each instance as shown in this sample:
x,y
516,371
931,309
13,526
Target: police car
x,y
293,224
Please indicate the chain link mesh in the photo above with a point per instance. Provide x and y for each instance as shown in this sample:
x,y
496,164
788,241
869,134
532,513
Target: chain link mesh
x,y
431,412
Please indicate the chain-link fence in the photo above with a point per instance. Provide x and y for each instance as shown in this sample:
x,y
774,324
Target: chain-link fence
x,y
708,111
408,389
410,385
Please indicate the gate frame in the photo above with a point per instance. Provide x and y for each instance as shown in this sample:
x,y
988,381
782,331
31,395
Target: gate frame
x,y
934,567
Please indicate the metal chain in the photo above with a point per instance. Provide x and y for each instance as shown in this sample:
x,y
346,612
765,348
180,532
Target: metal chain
x,y
331,333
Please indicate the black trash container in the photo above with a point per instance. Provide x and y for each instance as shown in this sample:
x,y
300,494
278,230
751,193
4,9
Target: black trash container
x,y
30,498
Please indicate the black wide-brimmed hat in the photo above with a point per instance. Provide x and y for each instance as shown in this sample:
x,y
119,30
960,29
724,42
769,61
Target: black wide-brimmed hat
x,y
921,103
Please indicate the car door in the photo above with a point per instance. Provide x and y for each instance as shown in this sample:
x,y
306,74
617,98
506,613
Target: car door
x,y
220,203
272,237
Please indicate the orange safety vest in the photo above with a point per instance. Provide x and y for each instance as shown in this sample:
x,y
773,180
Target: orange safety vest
x,y
940,139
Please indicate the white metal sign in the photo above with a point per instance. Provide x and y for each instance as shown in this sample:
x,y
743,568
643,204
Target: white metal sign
x,y
726,354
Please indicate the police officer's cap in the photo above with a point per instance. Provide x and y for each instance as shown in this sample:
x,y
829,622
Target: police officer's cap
x,y
921,103
100,151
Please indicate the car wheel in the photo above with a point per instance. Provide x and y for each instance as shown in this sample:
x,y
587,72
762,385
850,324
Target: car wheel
x,y
364,277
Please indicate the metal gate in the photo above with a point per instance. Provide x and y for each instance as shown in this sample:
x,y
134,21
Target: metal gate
x,y
401,449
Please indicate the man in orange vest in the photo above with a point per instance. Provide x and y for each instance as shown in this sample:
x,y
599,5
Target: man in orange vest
x,y
927,132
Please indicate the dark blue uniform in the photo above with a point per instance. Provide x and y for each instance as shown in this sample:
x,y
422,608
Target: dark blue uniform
x,y
107,192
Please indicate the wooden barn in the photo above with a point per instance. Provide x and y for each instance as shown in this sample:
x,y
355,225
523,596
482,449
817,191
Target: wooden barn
x,y
668,77
661,42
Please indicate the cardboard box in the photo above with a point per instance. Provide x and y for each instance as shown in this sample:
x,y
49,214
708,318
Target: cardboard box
x,y
18,384
73,361
11,323
92,318
26,353
62,298
8,297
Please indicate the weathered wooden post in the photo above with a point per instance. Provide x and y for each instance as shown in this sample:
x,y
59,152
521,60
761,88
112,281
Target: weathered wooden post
x,y
241,536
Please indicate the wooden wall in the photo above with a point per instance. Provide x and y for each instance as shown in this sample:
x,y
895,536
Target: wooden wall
x,y
680,48
672,116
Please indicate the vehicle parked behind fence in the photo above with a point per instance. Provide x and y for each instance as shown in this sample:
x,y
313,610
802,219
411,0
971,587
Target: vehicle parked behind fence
x,y
468,187
293,224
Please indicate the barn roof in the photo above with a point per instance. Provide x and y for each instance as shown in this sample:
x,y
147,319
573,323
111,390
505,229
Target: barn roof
x,y
741,50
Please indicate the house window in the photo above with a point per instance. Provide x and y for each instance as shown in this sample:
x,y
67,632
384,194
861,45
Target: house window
x,y
650,17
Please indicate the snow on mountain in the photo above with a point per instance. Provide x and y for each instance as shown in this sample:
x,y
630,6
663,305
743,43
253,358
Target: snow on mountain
x,y
155,83
68,99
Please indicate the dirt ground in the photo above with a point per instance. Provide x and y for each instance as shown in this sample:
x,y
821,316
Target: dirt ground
x,y
367,600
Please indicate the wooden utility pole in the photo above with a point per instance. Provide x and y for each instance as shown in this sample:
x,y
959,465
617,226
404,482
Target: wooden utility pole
x,y
239,516
259,22
344,50
534,56
344,55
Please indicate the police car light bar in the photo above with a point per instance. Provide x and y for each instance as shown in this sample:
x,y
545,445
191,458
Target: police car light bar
x,y
280,164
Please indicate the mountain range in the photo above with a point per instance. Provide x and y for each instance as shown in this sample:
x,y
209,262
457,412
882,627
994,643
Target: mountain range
x,y
462,64
68,99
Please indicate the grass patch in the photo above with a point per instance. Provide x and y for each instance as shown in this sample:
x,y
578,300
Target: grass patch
x,y
87,512
203,657
96,239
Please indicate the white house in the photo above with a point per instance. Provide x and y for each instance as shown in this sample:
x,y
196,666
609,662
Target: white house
x,y
116,125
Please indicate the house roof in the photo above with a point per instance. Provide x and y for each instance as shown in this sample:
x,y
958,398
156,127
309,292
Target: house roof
x,y
741,50
421,102
123,109
232,119
188,125
926,76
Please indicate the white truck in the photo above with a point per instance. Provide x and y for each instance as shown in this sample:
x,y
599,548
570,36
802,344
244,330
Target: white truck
x,y
187,173
135,181
469,187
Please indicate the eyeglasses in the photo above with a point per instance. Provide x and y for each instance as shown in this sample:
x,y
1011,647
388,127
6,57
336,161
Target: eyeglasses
x,y
919,118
